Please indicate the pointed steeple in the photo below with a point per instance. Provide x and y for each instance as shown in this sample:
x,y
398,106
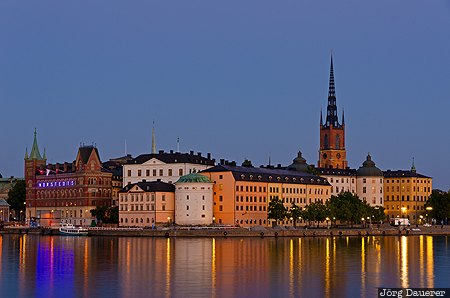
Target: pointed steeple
x,y
26,153
343,119
153,139
321,120
35,154
332,117
45,155
413,167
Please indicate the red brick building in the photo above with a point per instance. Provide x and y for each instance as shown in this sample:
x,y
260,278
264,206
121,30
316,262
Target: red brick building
x,y
67,192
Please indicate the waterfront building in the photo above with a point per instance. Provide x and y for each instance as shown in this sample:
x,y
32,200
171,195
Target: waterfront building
x,y
369,183
242,193
146,203
166,166
4,210
341,180
65,193
194,200
6,184
405,193
332,153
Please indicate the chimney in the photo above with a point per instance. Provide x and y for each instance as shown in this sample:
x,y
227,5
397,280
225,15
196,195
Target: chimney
x,y
208,155
161,151
65,167
192,152
279,165
171,151
199,154
222,161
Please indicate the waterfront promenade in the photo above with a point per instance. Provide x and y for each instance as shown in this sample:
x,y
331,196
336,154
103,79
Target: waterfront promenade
x,y
384,230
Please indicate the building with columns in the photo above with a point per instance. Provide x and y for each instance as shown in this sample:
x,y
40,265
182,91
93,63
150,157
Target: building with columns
x,y
65,192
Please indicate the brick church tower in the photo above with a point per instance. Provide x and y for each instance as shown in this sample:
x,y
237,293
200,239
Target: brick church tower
x,y
33,163
332,152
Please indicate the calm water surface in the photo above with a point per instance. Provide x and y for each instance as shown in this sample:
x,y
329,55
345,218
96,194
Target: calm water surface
x,y
64,266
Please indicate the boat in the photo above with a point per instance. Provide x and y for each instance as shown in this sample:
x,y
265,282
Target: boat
x,y
71,230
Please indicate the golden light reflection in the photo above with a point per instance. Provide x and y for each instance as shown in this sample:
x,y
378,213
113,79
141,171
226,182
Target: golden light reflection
x,y
363,265
430,262
421,261
168,258
213,267
404,262
1,249
291,267
327,267
85,268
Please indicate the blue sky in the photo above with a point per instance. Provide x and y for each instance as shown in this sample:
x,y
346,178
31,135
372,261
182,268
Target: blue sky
x,y
240,79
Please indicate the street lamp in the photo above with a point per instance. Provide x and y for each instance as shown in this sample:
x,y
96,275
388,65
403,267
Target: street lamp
x,y
362,221
429,208
327,221
214,219
403,211
168,221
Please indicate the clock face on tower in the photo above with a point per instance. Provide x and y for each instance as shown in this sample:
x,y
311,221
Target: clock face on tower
x,y
324,156
338,155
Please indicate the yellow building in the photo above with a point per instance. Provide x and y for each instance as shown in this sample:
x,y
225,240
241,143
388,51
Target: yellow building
x,y
145,204
405,193
242,193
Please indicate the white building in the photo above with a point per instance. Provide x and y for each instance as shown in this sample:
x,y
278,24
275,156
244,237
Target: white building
x,y
369,183
342,180
194,200
166,166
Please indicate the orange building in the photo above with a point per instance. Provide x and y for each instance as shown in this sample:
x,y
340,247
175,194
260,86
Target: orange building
x,y
242,193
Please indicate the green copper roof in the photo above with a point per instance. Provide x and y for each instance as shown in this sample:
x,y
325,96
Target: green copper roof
x,y
35,154
193,178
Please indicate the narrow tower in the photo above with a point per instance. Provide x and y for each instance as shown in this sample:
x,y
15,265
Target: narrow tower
x,y
332,152
153,139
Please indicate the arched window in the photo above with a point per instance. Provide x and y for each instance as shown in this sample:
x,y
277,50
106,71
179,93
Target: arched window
x,y
338,142
325,141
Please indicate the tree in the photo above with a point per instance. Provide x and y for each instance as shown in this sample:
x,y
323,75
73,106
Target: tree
x,y
348,207
106,214
17,196
276,210
295,212
316,211
440,202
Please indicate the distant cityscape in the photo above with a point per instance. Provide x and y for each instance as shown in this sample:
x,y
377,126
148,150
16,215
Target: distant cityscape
x,y
160,188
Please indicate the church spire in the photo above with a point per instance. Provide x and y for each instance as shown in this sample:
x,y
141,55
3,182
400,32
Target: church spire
x,y
35,154
343,119
413,167
321,120
26,152
332,117
153,139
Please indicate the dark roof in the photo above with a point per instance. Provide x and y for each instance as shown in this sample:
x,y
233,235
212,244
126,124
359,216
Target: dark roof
x,y
337,172
268,175
173,157
150,186
86,151
369,169
403,174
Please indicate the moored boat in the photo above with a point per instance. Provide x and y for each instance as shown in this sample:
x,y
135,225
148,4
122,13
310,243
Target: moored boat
x,y
71,230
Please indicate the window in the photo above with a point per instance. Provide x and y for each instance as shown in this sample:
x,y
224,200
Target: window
x,y
364,180
220,176
163,197
220,208
220,198
161,172
154,172
203,207
364,189
139,173
147,173
129,173
170,172
163,207
187,207
180,172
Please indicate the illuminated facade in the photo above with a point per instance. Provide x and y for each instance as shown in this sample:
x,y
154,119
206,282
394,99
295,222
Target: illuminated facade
x,y
405,193
193,200
242,193
145,204
65,193
4,211
369,183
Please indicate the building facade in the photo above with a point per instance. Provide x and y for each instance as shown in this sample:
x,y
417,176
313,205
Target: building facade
x,y
369,183
115,165
332,153
405,193
341,180
242,193
4,211
146,204
194,200
65,193
166,166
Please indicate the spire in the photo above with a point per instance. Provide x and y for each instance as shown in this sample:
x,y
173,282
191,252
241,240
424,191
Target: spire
x,y
343,119
413,167
321,120
35,154
153,139
332,118
45,155
26,152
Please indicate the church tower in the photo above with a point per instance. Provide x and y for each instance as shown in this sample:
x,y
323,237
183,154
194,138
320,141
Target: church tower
x,y
332,152
33,163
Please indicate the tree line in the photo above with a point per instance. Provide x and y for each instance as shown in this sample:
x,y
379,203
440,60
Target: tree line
x,y
345,208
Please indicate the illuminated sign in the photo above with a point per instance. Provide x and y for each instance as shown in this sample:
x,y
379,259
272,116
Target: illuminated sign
x,y
64,183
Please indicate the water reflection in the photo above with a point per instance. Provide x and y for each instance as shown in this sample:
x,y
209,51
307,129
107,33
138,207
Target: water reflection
x,y
47,266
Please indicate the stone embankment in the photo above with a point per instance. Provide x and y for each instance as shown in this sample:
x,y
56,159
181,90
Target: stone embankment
x,y
242,232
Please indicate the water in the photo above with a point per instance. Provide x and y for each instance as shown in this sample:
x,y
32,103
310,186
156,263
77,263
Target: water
x,y
64,266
